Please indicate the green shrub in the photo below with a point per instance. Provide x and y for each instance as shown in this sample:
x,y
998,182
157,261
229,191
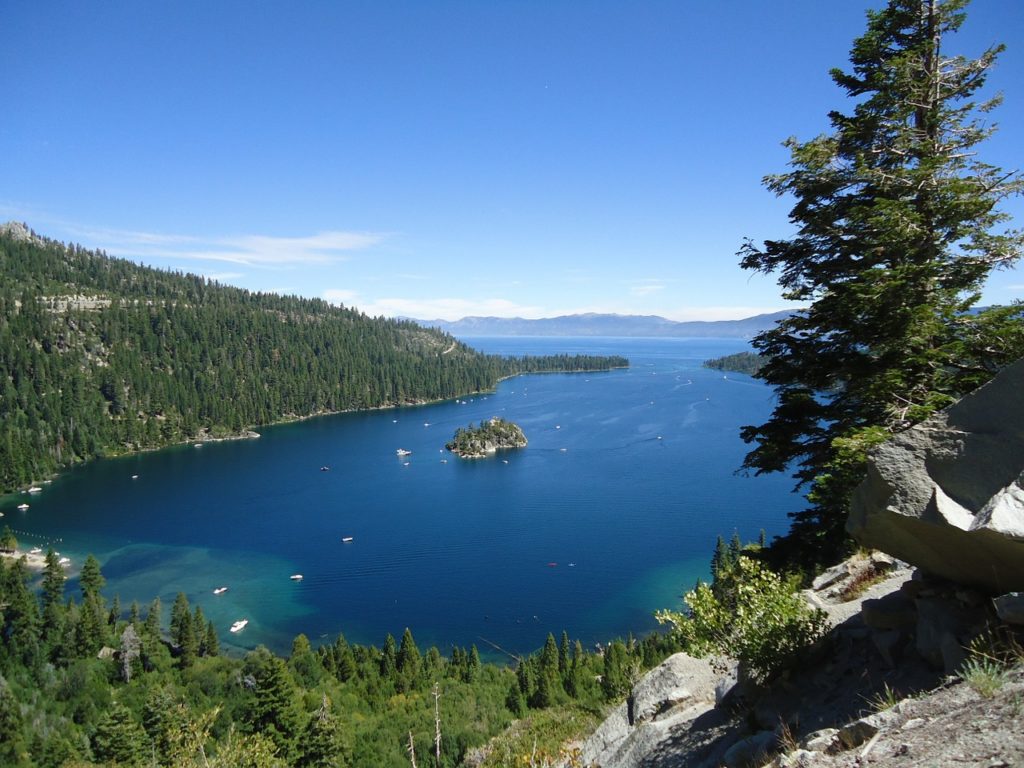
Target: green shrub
x,y
985,676
760,622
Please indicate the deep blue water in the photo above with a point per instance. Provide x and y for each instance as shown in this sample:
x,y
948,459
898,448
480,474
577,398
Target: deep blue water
x,y
610,512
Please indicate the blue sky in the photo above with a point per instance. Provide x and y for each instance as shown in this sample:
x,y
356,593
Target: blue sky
x,y
442,159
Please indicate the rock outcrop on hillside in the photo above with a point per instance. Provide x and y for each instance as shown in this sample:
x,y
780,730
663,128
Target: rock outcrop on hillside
x,y
894,644
948,494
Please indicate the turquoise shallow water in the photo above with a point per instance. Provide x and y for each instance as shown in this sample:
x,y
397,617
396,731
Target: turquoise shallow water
x,y
610,513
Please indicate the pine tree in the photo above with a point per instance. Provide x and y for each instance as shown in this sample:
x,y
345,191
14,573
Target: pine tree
x,y
276,713
8,541
346,662
388,659
119,739
896,224
409,662
52,597
472,664
12,745
91,579
563,656
19,616
153,618
615,681
183,630
211,642
303,663
324,742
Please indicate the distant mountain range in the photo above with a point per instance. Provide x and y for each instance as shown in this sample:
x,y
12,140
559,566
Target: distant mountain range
x,y
592,324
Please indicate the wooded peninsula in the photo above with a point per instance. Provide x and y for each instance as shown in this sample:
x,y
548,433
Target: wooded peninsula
x,y
101,356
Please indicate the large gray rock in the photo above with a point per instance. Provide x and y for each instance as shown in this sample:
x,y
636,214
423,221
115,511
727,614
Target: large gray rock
x,y
663,704
948,494
679,680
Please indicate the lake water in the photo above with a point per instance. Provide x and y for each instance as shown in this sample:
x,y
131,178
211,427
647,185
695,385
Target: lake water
x,y
610,513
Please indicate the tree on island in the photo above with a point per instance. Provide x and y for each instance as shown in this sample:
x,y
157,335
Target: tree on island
x,y
474,442
8,541
897,227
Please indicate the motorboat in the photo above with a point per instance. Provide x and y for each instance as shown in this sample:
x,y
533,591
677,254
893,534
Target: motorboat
x,y
220,590
239,625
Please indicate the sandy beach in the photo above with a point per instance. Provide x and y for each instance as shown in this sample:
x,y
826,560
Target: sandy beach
x,y
36,562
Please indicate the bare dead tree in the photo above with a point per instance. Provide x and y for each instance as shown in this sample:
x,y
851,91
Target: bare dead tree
x,y
437,726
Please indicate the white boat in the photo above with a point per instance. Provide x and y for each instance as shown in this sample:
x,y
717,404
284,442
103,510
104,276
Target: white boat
x,y
35,489
239,625
296,577
64,561
135,477
35,551
346,539
220,590
23,507
403,452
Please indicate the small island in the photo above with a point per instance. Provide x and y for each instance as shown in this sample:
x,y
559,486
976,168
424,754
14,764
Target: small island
x,y
493,435
741,362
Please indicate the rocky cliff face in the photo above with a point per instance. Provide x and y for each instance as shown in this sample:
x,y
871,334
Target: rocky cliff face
x,y
948,494
876,691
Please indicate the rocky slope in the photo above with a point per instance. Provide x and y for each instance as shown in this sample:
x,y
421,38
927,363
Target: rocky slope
x,y
871,693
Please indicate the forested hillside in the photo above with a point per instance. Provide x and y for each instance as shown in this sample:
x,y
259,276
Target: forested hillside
x,y
100,355
83,682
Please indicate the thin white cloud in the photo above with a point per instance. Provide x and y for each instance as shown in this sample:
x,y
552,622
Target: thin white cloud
x,y
223,277
720,313
645,289
250,250
443,309
339,296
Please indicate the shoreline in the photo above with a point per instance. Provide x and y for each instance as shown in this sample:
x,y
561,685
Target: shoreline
x,y
35,562
251,434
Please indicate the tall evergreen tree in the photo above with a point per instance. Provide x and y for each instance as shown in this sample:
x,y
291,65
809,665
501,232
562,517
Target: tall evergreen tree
x,y
897,226
324,742
52,595
12,746
409,662
119,739
344,658
563,655
276,712
91,579
153,618
615,681
388,659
